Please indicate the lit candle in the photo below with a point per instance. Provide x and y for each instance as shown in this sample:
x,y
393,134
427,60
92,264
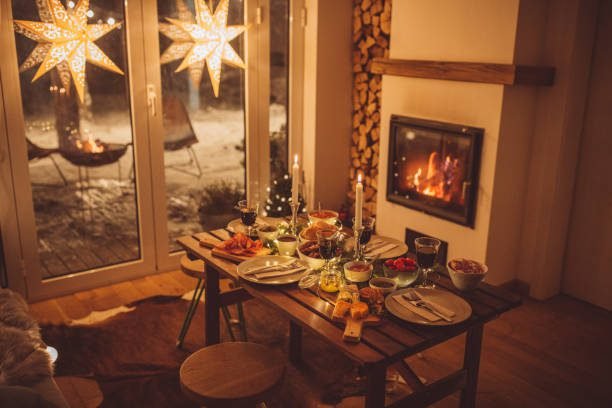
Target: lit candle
x,y
295,182
358,202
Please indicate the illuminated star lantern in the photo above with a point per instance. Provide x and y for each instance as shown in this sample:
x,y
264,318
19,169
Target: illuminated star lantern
x,y
65,41
206,40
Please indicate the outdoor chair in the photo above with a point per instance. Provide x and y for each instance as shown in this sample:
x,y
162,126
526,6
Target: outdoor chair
x,y
36,152
179,133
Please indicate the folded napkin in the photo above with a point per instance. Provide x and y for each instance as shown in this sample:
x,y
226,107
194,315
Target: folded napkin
x,y
274,274
435,305
374,242
269,268
381,250
425,314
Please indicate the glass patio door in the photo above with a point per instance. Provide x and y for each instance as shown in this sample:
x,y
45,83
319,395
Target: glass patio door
x,y
76,125
124,131
222,90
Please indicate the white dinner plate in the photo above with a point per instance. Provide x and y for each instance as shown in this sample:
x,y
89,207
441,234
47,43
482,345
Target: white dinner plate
x,y
399,250
270,260
236,225
449,300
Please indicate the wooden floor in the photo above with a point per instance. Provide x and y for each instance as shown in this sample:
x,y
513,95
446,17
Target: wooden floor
x,y
78,228
543,354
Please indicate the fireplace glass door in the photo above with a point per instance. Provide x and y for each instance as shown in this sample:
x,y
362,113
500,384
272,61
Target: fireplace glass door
x,y
433,167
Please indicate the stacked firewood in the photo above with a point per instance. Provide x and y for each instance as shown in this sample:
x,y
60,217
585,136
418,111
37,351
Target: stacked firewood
x,y
371,29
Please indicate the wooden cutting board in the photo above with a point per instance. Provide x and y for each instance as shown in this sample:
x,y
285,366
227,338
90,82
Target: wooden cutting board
x,y
210,241
354,327
231,257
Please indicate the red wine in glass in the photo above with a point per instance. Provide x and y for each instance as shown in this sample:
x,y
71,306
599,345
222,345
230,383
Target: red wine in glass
x,y
366,235
426,256
426,251
327,248
248,216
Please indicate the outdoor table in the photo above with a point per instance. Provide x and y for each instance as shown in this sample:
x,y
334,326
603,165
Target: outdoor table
x,y
383,346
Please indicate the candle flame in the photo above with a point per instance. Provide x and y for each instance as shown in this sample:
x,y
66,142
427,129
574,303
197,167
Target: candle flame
x,y
359,178
295,159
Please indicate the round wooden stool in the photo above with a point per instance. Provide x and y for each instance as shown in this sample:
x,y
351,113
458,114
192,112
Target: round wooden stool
x,y
195,269
231,375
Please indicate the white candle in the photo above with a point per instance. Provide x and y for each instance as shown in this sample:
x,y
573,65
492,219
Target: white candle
x,y
358,203
295,182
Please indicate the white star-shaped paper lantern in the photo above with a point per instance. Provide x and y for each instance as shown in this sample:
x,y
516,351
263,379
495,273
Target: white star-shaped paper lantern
x,y
65,41
205,40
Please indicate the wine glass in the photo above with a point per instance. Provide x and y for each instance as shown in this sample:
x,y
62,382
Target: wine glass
x,y
426,251
368,229
248,215
328,245
364,235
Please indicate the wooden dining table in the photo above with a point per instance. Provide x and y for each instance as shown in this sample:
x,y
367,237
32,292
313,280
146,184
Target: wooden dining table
x,y
384,346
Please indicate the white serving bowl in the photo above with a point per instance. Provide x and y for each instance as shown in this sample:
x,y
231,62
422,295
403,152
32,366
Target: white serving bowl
x,y
287,248
313,263
357,276
303,238
267,235
466,281
332,219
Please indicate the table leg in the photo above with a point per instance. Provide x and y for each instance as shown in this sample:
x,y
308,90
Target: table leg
x,y
295,343
471,362
211,307
376,377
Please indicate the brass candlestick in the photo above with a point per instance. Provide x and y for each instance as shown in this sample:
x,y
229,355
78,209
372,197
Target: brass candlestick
x,y
358,256
294,211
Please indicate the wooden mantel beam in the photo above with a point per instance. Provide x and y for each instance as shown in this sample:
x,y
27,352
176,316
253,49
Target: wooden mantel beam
x,y
504,74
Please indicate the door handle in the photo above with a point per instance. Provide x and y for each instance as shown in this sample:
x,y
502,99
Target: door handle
x,y
152,99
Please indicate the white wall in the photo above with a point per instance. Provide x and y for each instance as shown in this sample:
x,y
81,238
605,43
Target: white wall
x,y
555,144
328,84
588,260
532,134
449,30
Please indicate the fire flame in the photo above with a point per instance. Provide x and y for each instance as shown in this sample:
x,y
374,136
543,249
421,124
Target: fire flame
x,y
90,146
441,179
416,180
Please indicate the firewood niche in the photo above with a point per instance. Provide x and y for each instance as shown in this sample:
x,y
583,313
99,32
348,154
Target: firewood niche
x,y
371,31
488,73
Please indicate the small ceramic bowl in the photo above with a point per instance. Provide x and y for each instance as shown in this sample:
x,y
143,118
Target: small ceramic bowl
x,y
267,233
463,280
385,285
327,216
286,244
358,271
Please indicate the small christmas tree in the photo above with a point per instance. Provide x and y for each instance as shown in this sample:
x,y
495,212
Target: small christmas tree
x,y
279,197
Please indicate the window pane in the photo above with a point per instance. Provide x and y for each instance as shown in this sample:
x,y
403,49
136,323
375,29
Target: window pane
x,y
279,81
277,203
79,134
204,135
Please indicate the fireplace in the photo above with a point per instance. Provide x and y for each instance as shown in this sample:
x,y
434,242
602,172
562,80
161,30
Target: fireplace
x,y
433,167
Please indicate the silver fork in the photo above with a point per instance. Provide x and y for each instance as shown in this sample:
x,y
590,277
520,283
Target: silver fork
x,y
416,301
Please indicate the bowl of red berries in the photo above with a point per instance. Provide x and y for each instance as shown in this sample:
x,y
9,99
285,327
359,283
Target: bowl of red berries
x,y
404,270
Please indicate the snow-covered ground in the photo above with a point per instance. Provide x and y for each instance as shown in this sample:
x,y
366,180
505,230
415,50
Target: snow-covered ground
x,y
109,200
